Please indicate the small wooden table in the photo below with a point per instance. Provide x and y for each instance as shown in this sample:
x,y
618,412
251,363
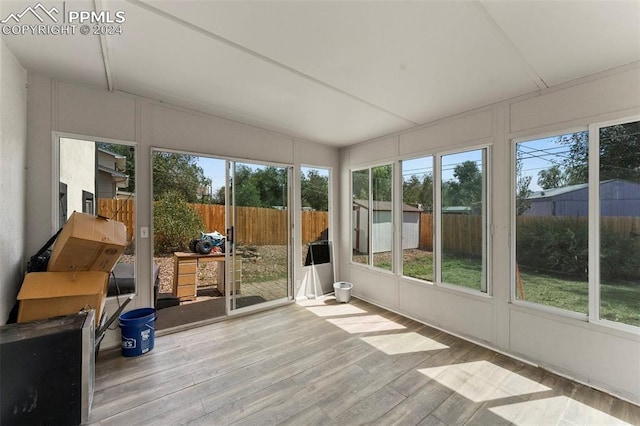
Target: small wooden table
x,y
185,273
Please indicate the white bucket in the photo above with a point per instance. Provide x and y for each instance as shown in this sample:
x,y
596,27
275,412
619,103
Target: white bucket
x,y
342,291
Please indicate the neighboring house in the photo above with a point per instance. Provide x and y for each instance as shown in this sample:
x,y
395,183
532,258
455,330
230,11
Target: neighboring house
x,y
383,226
86,174
617,198
111,173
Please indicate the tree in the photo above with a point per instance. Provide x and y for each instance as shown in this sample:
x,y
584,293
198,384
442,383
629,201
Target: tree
x,y
553,177
576,164
271,183
261,187
522,187
360,184
381,183
174,223
180,173
466,189
314,190
418,192
619,154
246,192
411,190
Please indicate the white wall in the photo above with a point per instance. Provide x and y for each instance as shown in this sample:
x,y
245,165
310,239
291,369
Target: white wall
x,y
78,171
602,357
13,137
83,111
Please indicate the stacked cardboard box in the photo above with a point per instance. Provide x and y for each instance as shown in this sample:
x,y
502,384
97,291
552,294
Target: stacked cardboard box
x,y
77,275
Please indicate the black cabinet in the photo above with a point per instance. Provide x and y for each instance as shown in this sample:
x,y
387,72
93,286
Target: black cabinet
x,y
47,371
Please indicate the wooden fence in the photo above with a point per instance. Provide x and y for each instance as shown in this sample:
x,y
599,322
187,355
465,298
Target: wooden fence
x,y
262,226
463,233
254,225
426,232
460,233
120,210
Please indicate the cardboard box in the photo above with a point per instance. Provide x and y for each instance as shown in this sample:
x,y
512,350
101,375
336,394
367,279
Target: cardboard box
x,y
51,294
88,243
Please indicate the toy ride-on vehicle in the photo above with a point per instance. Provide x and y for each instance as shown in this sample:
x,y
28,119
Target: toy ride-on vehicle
x,y
207,243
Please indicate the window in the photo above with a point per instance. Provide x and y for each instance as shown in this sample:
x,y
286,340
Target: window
x,y
463,219
382,217
62,204
314,197
87,202
619,227
552,221
577,219
444,233
360,216
98,178
372,214
417,218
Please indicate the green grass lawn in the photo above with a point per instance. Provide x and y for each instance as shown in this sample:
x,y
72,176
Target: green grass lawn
x,y
619,301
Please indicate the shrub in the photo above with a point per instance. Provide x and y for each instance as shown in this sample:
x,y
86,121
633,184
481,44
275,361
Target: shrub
x,y
555,245
175,223
560,245
619,257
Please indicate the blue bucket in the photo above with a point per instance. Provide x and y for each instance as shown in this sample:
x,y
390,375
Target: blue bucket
x,y
138,331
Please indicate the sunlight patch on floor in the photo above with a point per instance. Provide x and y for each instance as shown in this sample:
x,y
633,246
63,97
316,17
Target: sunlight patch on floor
x,y
394,344
335,310
365,324
555,410
481,381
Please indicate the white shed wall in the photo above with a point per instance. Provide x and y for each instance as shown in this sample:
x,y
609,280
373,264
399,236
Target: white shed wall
x,y
410,230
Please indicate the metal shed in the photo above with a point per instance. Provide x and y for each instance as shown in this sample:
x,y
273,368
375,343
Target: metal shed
x,y
382,227
617,198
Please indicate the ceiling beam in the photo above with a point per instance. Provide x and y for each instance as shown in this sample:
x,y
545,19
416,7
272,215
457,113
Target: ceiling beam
x,y
509,46
104,46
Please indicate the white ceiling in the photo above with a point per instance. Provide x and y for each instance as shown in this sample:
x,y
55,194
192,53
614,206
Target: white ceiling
x,y
337,72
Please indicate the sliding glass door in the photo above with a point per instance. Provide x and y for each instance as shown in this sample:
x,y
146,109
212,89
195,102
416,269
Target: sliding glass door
x,y
258,245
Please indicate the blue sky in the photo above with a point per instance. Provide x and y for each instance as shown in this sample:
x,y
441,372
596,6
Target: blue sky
x,y
536,155
214,169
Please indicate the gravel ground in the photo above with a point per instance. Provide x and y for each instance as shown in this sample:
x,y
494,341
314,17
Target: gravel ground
x,y
261,262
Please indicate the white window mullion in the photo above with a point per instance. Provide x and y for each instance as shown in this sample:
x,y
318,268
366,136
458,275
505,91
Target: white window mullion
x,y
370,222
485,220
513,155
398,219
594,223
437,223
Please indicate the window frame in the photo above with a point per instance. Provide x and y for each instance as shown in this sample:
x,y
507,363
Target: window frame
x,y
399,205
593,284
486,286
594,305
56,216
513,228
369,264
486,289
329,202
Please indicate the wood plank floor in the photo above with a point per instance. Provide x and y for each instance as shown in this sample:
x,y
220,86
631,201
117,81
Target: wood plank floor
x,y
320,363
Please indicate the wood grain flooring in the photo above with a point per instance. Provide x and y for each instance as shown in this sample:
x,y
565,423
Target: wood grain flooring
x,y
322,363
